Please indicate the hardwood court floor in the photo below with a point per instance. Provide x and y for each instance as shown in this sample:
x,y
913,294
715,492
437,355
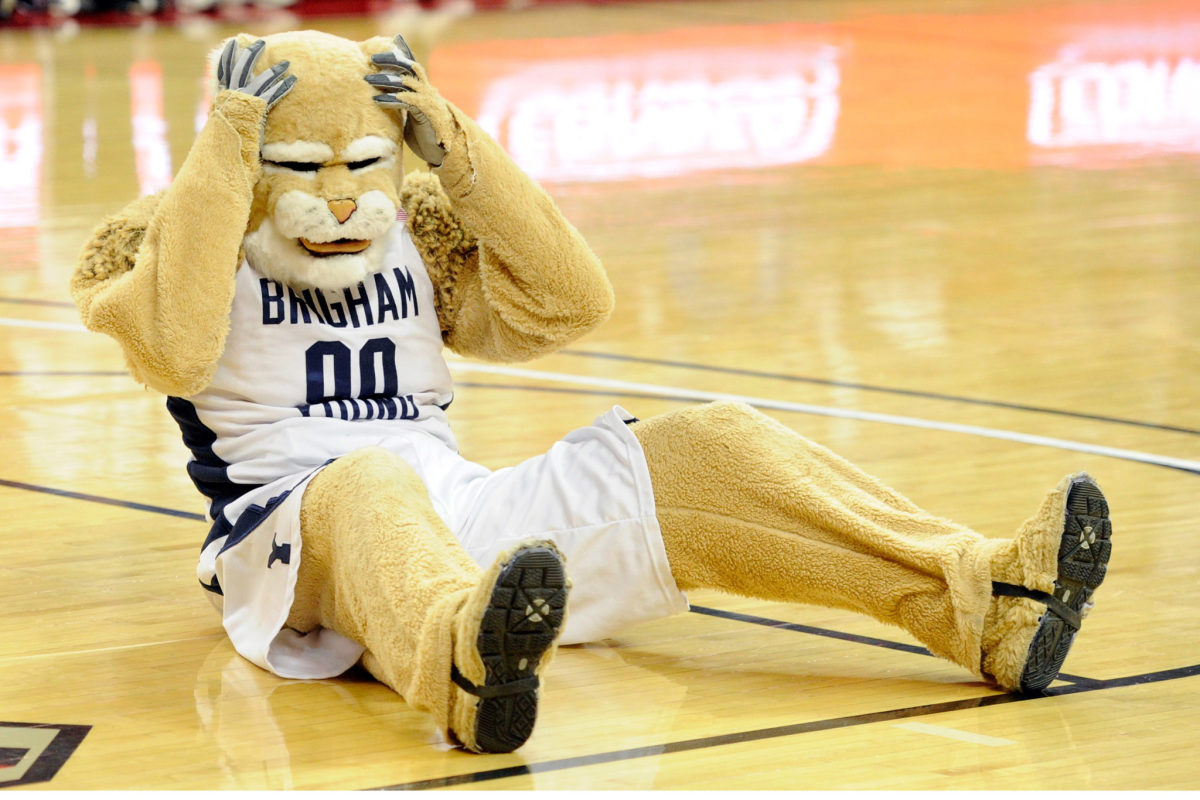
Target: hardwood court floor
x,y
958,247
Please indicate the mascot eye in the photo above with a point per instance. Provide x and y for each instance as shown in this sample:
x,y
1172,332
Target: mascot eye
x,y
363,164
295,166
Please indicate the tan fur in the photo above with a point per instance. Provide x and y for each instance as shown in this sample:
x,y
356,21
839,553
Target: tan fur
x,y
1032,562
535,285
331,106
512,278
446,247
379,567
167,303
748,506
745,504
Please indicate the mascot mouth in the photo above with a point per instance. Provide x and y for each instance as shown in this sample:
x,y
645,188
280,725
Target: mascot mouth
x,y
335,248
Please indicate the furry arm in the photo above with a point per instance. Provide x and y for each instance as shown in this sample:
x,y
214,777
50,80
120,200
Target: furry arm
x,y
515,279
159,276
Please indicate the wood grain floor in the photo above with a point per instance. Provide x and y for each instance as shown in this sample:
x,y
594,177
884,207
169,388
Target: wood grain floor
x,y
960,247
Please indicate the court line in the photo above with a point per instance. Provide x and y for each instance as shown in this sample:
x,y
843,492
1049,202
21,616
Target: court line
x,y
115,648
706,742
751,373
1079,685
703,610
781,731
668,392
33,301
677,393
954,733
70,327
61,373
687,395
866,387
95,498
796,627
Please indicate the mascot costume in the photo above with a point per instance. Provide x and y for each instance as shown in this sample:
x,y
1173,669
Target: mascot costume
x,y
291,293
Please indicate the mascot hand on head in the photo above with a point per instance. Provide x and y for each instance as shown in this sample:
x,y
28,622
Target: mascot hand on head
x,y
297,328
296,324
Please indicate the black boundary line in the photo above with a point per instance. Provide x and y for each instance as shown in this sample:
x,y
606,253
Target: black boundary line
x,y
703,610
797,627
1078,684
865,387
93,498
740,737
1081,681
51,760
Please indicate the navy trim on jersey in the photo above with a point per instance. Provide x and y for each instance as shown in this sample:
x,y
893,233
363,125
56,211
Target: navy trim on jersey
x,y
208,471
196,435
246,523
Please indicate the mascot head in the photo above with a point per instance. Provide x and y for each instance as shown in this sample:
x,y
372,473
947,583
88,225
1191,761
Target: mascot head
x,y
329,189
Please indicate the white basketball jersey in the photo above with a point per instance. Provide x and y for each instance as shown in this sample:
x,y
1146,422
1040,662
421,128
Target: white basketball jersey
x,y
302,370
308,376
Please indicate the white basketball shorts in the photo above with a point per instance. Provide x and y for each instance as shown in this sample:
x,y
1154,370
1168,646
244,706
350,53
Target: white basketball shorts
x,y
590,494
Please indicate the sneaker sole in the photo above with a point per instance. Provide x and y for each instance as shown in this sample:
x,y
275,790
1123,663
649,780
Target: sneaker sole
x,y
520,624
1082,564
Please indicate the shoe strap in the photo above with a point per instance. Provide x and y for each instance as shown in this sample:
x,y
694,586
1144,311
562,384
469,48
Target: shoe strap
x,y
1061,609
499,690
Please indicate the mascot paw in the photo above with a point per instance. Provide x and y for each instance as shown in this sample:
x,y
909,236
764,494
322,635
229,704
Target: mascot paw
x,y
235,70
405,87
1083,552
505,638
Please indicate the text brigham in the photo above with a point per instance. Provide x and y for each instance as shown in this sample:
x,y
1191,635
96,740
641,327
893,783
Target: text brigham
x,y
395,297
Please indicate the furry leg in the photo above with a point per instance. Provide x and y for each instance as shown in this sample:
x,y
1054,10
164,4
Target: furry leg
x,y
380,567
748,506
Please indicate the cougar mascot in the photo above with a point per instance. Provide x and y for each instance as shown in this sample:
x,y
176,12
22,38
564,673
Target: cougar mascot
x,y
291,294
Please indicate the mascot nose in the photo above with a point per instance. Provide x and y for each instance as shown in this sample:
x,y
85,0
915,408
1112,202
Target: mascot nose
x,y
342,209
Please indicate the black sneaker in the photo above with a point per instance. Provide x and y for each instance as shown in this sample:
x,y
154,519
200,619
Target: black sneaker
x,y
520,624
1082,563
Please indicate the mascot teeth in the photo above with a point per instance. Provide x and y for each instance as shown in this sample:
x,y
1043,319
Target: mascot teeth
x,y
335,248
